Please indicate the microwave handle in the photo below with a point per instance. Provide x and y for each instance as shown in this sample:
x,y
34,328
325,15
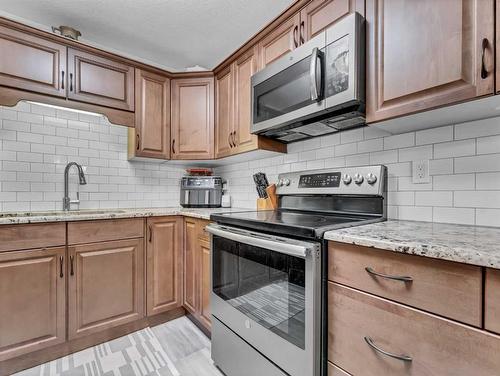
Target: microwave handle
x,y
313,70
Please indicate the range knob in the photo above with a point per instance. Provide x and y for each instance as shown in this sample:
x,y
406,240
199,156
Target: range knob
x,y
280,183
358,179
287,182
371,178
346,178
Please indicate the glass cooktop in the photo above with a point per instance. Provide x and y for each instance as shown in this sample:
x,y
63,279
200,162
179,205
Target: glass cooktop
x,y
289,222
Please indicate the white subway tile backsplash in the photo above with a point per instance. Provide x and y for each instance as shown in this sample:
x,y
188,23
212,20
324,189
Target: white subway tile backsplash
x,y
415,153
479,163
454,215
488,145
434,198
478,128
455,149
399,141
488,180
488,217
454,182
431,136
477,199
415,213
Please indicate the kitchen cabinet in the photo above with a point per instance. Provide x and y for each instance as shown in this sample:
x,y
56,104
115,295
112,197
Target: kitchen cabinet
x,y
95,79
421,62
492,301
318,15
197,275
32,300
106,285
234,109
32,63
164,260
151,136
192,116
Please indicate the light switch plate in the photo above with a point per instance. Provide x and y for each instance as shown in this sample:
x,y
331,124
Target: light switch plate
x,y
420,173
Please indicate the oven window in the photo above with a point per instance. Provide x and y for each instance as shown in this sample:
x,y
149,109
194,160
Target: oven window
x,y
266,286
284,92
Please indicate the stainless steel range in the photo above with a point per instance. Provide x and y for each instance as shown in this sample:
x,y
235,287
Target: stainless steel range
x,y
269,271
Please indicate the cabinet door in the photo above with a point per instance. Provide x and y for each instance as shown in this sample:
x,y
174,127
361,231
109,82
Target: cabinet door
x,y
190,265
224,140
193,118
205,283
32,300
31,63
244,68
152,115
164,264
106,286
318,15
281,40
97,80
420,62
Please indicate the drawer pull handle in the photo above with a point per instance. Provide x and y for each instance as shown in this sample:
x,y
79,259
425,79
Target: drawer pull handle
x,y
404,358
61,265
402,278
72,260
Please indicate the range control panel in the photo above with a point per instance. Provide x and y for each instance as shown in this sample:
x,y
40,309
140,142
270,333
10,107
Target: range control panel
x,y
363,180
329,179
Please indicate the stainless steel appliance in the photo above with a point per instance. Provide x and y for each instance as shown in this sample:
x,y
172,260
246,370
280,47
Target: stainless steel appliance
x,y
201,192
269,271
314,90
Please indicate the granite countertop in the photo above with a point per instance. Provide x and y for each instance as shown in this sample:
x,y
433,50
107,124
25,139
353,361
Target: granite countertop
x,y
86,215
466,244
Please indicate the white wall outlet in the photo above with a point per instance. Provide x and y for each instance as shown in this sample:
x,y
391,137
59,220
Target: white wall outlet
x,y
420,172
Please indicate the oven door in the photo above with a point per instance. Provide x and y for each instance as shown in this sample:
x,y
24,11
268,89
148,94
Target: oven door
x,y
290,88
266,289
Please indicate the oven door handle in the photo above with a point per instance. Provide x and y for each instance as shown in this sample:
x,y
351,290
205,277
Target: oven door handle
x,y
286,246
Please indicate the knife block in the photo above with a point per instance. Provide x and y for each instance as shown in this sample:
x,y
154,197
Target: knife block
x,y
269,203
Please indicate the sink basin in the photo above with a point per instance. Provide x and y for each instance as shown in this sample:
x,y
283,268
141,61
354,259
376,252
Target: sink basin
x,y
60,213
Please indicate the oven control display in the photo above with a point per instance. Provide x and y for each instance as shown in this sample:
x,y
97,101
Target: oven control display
x,y
331,179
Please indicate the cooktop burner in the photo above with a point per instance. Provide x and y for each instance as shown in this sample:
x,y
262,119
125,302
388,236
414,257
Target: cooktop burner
x,y
289,222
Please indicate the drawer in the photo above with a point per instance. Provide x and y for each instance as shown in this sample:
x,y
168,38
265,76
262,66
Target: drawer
x,y
105,230
333,370
492,301
42,235
445,288
436,346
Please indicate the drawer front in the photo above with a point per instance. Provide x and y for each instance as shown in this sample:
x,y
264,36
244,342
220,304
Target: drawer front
x,y
43,235
445,288
437,346
104,230
492,301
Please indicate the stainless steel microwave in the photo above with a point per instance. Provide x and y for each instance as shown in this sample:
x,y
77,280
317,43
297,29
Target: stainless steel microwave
x,y
316,89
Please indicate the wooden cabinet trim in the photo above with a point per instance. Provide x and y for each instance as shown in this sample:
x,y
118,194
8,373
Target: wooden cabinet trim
x,y
224,105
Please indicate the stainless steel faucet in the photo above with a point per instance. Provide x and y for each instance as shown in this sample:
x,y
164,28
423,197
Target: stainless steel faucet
x,y
66,200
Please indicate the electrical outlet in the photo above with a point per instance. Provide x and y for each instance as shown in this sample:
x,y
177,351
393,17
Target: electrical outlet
x,y
421,172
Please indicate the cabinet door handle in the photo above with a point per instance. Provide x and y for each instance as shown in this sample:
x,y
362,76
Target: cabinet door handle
x,y
295,40
71,82
404,358
62,80
150,233
401,278
234,138
71,262
229,139
61,265
173,146
138,142
302,27
484,46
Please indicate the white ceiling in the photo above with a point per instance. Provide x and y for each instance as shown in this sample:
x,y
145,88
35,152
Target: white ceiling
x,y
169,33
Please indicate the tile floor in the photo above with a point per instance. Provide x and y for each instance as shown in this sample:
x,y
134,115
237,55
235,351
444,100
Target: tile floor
x,y
176,348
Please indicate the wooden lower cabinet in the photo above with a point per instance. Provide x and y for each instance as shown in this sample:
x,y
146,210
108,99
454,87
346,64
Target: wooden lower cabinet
x,y
435,345
164,264
32,300
106,285
492,301
197,271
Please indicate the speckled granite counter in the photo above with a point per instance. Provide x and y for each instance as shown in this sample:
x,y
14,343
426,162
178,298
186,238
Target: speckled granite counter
x,y
86,215
467,244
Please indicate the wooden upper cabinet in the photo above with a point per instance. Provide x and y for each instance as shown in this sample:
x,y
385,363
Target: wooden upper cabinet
x,y
31,63
98,80
192,115
152,116
224,140
281,40
318,15
164,249
244,67
106,285
32,300
420,62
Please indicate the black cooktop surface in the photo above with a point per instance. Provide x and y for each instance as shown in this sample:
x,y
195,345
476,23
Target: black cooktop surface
x,y
290,222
